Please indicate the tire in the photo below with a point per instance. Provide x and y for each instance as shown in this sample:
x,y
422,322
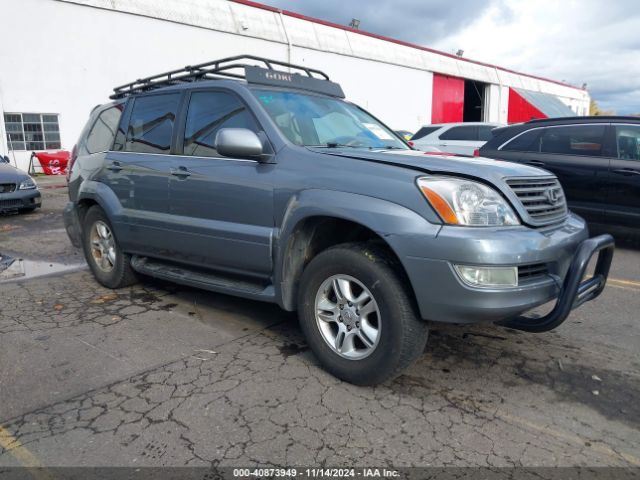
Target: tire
x,y
368,358
108,263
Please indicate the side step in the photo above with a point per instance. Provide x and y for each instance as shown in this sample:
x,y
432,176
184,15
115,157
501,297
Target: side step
x,y
205,280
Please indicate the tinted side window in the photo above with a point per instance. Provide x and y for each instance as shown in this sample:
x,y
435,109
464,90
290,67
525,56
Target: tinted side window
x,y
585,140
151,124
461,133
485,133
628,142
423,132
103,132
527,142
208,113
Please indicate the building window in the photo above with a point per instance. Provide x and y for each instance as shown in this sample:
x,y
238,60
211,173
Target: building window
x,y
32,131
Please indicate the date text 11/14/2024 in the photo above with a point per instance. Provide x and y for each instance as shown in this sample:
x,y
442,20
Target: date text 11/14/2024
x,y
314,473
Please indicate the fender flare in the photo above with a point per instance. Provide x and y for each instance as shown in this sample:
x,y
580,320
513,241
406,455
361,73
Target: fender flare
x,y
101,194
390,221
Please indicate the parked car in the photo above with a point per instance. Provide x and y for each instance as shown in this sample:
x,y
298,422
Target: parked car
x,y
274,188
596,159
406,134
459,138
18,191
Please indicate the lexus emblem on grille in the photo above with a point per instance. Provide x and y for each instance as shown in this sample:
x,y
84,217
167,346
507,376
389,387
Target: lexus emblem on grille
x,y
552,195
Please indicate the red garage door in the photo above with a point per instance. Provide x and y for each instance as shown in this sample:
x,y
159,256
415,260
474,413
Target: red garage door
x,y
520,110
448,99
525,105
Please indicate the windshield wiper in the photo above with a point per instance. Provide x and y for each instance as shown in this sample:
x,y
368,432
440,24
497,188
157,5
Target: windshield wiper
x,y
335,145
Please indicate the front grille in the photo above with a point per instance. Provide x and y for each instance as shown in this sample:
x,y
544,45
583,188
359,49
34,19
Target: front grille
x,y
542,198
7,187
6,204
531,272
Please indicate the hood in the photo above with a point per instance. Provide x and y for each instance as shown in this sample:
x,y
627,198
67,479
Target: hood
x,y
494,171
10,174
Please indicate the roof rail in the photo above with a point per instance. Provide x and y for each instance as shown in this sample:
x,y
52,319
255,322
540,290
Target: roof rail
x,y
225,67
585,117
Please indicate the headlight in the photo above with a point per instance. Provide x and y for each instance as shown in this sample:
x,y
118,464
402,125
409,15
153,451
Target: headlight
x,y
465,202
27,184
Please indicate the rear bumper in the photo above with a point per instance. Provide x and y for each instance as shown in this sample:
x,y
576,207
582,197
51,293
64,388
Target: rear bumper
x,y
443,297
72,224
20,199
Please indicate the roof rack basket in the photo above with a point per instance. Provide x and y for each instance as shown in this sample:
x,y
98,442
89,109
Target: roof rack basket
x,y
225,67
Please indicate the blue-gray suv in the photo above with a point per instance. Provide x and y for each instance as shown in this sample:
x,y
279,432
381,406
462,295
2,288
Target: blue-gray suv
x,y
239,177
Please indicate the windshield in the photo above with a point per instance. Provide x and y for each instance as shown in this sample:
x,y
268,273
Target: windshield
x,y
311,120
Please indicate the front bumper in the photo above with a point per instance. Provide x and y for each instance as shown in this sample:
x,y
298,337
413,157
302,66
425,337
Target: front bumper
x,y
20,199
443,297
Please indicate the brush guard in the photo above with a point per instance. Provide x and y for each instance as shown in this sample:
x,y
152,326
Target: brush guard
x,y
575,291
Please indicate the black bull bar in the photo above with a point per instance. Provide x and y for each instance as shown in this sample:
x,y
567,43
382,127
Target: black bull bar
x,y
574,291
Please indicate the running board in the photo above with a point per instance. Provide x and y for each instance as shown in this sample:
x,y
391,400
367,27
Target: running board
x,y
204,280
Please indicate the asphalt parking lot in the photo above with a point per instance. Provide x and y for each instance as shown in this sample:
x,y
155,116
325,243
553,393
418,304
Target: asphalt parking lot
x,y
164,375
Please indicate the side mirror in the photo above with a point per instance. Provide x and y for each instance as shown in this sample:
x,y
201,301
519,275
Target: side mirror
x,y
4,159
239,143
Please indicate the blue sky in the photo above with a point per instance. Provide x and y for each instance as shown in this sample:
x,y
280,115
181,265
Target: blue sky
x,y
596,42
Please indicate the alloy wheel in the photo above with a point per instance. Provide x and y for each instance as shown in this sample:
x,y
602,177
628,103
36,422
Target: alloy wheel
x,y
348,317
103,246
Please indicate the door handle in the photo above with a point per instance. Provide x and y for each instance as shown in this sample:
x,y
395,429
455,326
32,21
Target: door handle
x,y
535,163
180,172
626,171
114,166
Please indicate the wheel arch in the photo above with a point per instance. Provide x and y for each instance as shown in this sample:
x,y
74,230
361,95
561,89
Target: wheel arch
x,y
317,220
96,193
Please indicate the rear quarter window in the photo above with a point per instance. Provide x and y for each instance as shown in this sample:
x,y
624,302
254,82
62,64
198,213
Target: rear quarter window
x,y
103,131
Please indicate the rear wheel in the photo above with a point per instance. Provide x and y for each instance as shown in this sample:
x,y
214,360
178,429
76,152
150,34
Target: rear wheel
x,y
357,315
109,264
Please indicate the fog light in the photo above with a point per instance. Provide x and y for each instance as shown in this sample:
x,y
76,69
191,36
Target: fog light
x,y
488,277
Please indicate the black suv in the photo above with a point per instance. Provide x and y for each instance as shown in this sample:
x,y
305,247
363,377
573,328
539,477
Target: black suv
x,y
596,159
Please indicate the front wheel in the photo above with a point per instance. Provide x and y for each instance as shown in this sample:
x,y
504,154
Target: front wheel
x,y
357,315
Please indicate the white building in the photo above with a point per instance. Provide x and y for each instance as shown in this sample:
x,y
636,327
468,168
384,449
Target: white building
x,y
60,58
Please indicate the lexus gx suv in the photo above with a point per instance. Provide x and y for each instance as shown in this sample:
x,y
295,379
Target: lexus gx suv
x,y
237,176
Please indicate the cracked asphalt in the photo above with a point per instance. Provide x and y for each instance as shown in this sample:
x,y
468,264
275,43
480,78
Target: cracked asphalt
x,y
164,375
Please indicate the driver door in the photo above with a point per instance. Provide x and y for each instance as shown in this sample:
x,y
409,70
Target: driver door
x,y
221,208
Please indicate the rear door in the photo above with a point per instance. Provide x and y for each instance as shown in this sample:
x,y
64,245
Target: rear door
x,y
221,208
139,168
576,155
623,206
